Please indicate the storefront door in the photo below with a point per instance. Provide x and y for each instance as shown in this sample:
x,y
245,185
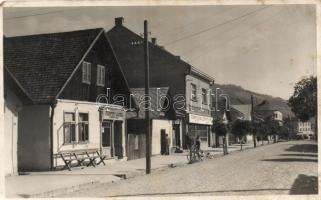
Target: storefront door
x,y
177,135
107,146
118,139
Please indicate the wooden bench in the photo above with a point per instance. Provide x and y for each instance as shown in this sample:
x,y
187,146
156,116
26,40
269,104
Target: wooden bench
x,y
81,156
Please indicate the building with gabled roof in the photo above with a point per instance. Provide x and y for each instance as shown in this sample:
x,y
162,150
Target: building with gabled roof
x,y
190,87
70,79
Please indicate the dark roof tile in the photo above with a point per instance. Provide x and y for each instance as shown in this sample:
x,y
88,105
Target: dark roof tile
x,y
43,63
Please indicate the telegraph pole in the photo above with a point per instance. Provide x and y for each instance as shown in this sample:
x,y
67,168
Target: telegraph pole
x,y
146,61
252,119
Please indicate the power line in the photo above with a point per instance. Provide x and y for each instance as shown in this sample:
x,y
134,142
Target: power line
x,y
173,30
39,14
215,26
233,38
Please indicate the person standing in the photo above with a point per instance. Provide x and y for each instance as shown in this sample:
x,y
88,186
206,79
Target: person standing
x,y
167,142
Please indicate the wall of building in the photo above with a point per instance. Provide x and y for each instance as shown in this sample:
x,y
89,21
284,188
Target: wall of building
x,y
278,115
93,121
197,107
157,126
34,138
304,127
11,109
100,54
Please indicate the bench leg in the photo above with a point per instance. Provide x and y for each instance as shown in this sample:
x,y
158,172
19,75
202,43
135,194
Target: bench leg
x,y
102,160
67,165
91,162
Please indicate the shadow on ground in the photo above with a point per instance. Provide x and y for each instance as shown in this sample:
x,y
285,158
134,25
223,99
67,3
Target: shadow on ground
x,y
305,185
291,160
301,154
200,192
306,148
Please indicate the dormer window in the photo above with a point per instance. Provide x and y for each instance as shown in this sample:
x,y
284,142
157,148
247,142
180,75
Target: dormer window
x,y
100,75
86,72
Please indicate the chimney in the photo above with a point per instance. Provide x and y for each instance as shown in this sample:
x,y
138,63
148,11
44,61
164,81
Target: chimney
x,y
119,21
154,41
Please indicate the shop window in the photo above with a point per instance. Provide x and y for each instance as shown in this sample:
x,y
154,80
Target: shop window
x,y
69,128
100,75
86,72
83,127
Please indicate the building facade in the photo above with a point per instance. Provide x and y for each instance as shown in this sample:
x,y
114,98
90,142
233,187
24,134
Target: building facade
x,y
166,70
71,87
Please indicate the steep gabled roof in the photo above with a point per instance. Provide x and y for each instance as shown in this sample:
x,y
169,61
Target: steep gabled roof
x,y
264,106
245,109
129,50
42,63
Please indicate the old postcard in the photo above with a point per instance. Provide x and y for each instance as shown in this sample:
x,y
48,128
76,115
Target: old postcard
x,y
172,99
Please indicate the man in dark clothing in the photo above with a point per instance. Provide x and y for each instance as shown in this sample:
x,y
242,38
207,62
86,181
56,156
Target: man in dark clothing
x,y
198,143
188,141
167,142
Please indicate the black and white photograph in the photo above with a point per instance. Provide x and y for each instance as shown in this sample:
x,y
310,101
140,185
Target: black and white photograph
x,y
169,100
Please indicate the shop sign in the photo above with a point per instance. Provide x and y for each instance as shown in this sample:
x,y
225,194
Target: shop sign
x,y
198,119
112,115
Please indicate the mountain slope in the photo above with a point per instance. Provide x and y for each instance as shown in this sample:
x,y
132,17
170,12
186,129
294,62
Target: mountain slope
x,y
239,95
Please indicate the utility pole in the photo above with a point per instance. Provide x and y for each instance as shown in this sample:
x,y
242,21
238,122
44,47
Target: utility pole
x,y
146,61
252,119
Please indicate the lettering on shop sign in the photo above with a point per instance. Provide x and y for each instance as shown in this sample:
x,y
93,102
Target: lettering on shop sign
x,y
198,119
113,115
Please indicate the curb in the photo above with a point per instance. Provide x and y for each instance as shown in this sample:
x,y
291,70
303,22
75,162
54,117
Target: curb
x,y
61,191
66,190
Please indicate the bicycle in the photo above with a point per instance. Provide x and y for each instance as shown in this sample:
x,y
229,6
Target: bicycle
x,y
195,154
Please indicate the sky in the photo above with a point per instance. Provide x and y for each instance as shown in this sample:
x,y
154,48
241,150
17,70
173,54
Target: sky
x,y
265,49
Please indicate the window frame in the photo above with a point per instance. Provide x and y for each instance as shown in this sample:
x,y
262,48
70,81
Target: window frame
x,y
79,125
193,96
204,95
69,123
86,72
101,75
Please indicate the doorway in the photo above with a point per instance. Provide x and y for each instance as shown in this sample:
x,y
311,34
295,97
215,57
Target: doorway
x,y
107,147
177,136
163,141
118,139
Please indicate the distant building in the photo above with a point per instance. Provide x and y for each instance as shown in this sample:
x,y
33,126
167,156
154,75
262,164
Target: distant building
x,y
245,110
305,128
265,110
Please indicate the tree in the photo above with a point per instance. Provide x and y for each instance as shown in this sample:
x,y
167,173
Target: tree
x,y
240,128
303,102
219,128
263,131
259,129
273,128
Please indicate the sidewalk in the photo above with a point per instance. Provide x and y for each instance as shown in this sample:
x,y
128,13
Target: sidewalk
x,y
54,183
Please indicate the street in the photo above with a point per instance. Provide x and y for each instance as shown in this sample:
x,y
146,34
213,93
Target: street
x,y
281,168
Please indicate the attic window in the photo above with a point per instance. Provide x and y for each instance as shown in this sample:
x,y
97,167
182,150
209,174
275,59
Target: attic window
x,y
100,75
86,72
